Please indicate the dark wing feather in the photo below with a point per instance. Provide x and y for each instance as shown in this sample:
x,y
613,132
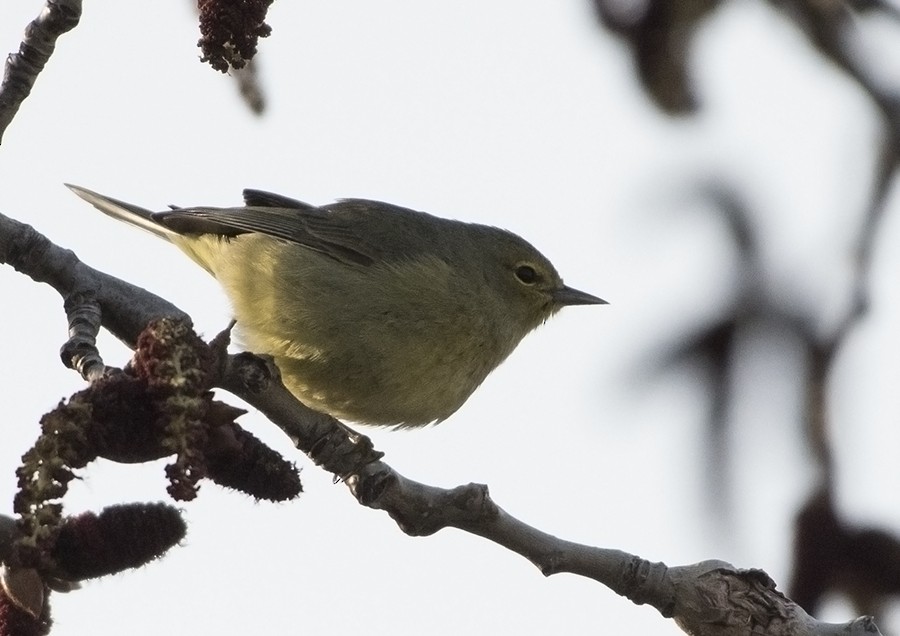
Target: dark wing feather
x,y
261,198
352,231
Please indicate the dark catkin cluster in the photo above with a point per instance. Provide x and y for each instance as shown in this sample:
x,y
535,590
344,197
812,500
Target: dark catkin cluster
x,y
177,368
229,31
120,537
161,405
247,465
44,476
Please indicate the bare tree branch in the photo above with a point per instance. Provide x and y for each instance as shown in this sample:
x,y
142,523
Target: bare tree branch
x,y
22,68
126,309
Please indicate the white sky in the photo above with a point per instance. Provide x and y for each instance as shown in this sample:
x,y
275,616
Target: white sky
x,y
525,116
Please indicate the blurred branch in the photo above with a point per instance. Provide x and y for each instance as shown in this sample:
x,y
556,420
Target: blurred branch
x,y
22,68
885,8
659,33
830,29
830,555
715,346
249,86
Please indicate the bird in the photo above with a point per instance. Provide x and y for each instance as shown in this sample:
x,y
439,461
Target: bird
x,y
373,313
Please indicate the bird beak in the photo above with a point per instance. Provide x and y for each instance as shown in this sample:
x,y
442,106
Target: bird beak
x,y
567,296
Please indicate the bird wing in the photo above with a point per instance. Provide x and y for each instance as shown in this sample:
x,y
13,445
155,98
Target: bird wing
x,y
355,231
261,198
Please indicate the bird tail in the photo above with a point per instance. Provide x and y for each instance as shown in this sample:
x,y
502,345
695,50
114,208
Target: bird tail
x,y
122,211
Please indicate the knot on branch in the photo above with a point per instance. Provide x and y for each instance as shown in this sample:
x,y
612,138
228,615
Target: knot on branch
x,y
80,351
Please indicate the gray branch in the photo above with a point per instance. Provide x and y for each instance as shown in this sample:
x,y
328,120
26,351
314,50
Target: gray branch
x,y
22,68
125,308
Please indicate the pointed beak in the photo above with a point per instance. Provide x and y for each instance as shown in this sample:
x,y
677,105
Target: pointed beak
x,y
567,296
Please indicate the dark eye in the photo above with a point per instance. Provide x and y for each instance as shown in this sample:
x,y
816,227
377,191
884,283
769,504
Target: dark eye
x,y
526,274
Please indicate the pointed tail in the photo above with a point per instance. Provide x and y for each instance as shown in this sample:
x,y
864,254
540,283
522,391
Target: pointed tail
x,y
122,211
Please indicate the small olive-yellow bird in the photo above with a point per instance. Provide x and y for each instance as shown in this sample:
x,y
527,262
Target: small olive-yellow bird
x,y
373,312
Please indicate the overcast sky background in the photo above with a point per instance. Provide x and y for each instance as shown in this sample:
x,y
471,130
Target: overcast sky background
x,y
525,116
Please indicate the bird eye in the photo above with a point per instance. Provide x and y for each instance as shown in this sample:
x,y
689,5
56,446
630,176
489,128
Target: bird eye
x,y
526,274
